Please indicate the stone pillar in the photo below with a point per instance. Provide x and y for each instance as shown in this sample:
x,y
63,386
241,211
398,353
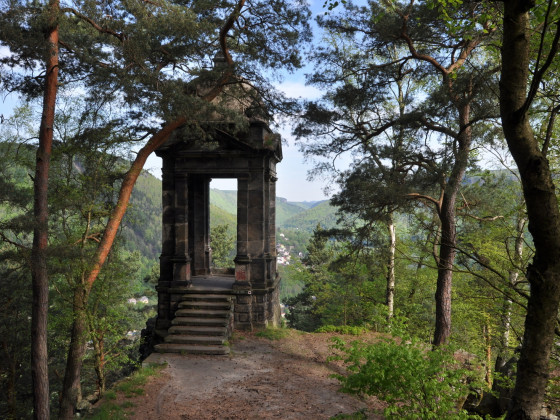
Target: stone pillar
x,y
273,309
243,257
199,218
257,243
243,308
271,228
181,259
168,246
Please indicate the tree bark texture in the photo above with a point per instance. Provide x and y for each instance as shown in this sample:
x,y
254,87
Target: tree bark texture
x,y
390,295
71,386
448,242
39,274
543,273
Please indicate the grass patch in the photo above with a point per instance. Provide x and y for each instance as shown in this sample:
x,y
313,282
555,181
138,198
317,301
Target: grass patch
x,y
130,387
343,329
110,395
273,333
108,411
358,415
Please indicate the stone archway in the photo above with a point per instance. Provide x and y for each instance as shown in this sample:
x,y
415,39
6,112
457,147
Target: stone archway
x,y
188,167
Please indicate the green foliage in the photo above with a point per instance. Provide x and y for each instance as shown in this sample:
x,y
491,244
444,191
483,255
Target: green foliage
x,y
358,415
323,213
223,246
108,411
414,381
340,287
342,329
129,387
291,283
142,223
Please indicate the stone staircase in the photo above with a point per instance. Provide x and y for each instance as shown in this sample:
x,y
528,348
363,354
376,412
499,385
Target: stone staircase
x,y
202,325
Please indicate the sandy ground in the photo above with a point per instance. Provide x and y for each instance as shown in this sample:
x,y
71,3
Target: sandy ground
x,y
261,379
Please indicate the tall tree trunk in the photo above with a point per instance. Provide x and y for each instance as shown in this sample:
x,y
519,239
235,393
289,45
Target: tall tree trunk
x,y
390,295
447,216
39,274
501,359
71,389
543,273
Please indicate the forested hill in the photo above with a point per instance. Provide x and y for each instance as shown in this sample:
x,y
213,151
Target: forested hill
x,y
142,224
303,215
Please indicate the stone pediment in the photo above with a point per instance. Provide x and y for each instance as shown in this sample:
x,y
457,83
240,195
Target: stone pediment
x,y
257,139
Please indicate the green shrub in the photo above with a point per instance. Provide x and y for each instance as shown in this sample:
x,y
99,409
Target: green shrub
x,y
416,383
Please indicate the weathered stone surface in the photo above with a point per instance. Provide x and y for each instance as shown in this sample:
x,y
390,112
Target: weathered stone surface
x,y
189,163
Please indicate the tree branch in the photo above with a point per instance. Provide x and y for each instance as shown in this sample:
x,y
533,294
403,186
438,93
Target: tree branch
x,y
120,36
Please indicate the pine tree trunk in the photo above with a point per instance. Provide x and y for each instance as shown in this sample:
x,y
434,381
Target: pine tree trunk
x,y
543,273
71,389
39,274
447,216
445,272
390,295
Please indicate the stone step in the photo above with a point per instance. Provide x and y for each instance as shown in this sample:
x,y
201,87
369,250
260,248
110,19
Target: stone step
x,y
197,330
203,313
192,320
207,297
207,340
199,304
191,349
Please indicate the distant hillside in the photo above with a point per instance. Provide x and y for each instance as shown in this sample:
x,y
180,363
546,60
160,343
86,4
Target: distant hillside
x,y
289,214
307,220
224,199
142,222
285,210
306,204
219,216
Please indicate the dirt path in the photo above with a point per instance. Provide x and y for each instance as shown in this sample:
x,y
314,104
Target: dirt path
x,y
261,379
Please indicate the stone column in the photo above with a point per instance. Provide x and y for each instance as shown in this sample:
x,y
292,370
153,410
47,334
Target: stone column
x,y
181,260
256,211
243,258
271,229
168,246
273,315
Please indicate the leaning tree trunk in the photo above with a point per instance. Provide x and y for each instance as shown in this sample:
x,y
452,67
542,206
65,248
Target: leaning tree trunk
x,y
543,273
39,274
447,216
156,141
